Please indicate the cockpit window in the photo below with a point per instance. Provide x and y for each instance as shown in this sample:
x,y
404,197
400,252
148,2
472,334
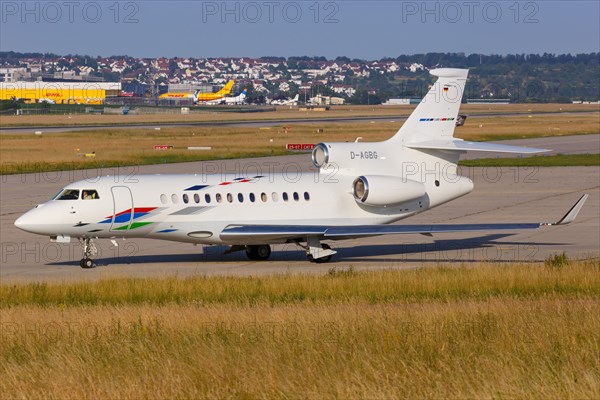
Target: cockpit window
x,y
68,194
57,194
89,194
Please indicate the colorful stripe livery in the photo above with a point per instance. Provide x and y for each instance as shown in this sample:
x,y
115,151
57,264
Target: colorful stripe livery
x,y
225,183
197,187
125,216
435,119
167,231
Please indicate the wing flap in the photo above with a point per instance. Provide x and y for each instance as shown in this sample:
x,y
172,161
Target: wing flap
x,y
254,234
363,231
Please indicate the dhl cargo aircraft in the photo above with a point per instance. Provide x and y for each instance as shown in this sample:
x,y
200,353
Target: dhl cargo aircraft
x,y
199,97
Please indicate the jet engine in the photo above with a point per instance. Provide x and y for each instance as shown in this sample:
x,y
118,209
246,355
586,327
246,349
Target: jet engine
x,y
381,190
320,155
350,155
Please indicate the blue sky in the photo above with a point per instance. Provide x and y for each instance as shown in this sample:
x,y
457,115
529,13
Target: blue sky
x,y
357,29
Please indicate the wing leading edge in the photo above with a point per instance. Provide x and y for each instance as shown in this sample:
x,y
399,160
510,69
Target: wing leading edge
x,y
249,234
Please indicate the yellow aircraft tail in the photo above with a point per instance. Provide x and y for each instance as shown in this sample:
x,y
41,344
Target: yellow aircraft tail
x,y
226,89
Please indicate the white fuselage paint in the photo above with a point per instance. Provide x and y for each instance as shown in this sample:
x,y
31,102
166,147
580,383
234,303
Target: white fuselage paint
x,y
329,199
359,187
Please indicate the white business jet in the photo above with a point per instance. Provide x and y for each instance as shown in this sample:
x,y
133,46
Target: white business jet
x,y
360,188
286,102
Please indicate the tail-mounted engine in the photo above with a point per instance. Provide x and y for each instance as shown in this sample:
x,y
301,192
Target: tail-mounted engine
x,y
381,190
362,156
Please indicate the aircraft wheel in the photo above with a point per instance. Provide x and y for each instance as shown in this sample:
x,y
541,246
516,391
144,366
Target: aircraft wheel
x,y
321,260
259,253
87,263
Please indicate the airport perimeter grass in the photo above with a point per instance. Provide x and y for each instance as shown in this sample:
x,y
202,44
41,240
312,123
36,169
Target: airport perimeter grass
x,y
121,147
488,331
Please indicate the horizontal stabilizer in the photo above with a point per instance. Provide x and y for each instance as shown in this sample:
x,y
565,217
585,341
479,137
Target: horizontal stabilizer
x,y
461,145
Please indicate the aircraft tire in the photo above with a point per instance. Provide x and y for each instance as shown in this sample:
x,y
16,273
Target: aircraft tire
x,y
87,263
258,253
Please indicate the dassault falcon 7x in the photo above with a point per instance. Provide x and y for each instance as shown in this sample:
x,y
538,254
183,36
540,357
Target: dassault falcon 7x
x,y
360,189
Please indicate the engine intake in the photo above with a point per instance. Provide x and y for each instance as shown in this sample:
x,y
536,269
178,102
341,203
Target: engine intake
x,y
320,155
381,190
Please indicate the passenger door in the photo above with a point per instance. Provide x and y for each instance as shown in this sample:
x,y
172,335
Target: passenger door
x,y
123,209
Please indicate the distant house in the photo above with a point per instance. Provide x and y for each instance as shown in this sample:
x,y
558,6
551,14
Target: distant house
x,y
343,89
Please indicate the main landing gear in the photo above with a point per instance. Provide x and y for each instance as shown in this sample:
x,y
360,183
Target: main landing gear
x,y
258,252
316,252
89,251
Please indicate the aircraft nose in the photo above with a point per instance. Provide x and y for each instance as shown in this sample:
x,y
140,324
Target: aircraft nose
x,y
21,222
25,222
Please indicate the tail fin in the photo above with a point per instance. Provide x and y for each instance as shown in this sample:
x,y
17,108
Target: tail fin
x,y
226,89
435,117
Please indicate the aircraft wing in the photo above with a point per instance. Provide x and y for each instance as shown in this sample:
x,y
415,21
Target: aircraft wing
x,y
280,233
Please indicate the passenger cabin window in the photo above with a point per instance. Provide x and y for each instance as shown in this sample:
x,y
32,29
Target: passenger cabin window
x,y
68,194
306,196
207,198
296,197
218,198
163,198
240,197
252,197
196,198
285,196
186,198
89,194
229,197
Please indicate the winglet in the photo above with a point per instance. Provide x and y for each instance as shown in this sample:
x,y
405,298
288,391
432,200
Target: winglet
x,y
572,214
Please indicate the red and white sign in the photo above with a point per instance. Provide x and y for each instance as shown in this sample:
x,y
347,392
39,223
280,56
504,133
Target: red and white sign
x,y
163,147
300,146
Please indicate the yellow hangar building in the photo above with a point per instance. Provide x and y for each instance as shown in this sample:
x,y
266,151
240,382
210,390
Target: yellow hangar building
x,y
60,92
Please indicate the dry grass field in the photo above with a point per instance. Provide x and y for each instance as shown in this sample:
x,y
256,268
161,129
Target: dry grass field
x,y
121,146
281,113
490,331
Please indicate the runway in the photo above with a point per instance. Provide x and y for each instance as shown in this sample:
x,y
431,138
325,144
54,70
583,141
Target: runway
x,y
501,195
28,130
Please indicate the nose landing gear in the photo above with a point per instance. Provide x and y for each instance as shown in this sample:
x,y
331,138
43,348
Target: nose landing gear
x,y
89,251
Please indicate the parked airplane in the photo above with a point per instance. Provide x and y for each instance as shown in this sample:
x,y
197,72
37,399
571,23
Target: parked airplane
x,y
240,99
360,188
287,102
177,96
198,96
201,97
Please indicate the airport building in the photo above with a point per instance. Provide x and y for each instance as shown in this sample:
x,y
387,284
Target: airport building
x,y
60,92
